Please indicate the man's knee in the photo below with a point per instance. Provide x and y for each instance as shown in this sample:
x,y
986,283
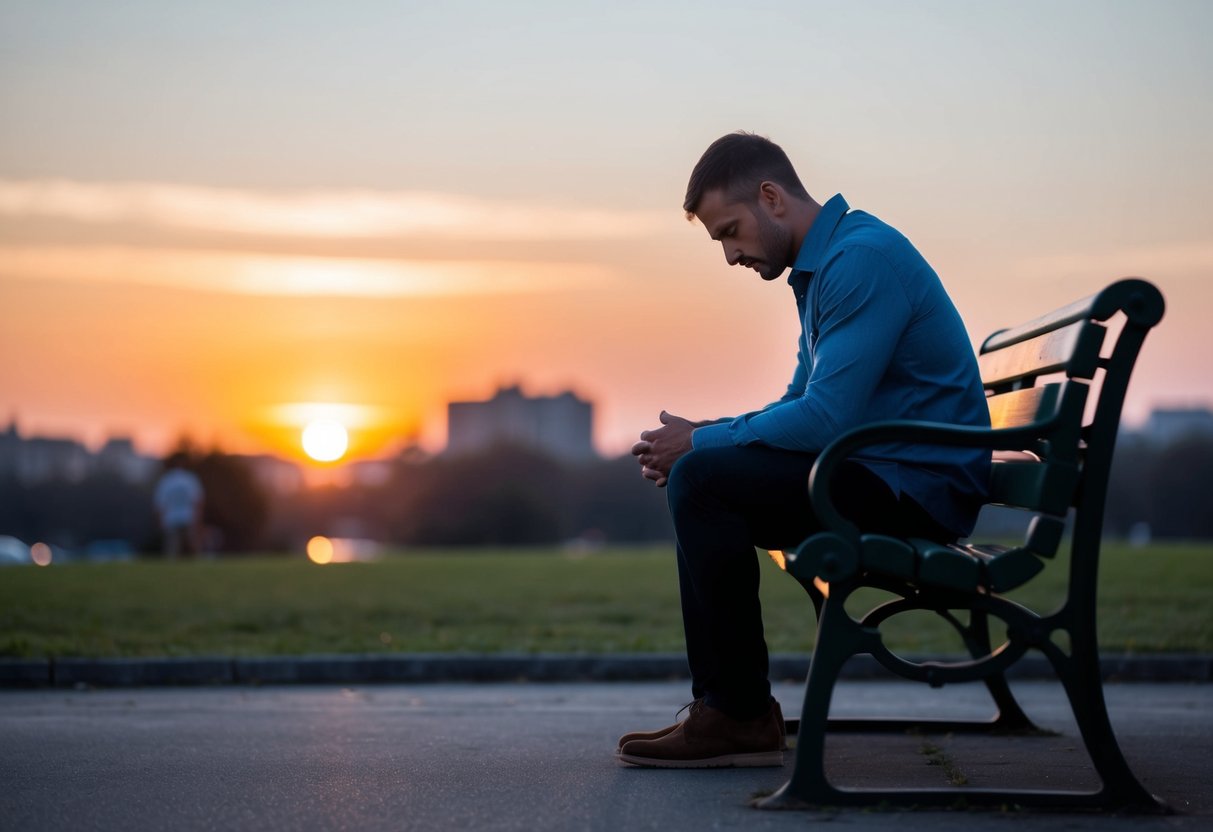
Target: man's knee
x,y
692,477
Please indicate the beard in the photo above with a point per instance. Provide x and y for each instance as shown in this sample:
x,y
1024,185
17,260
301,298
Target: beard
x,y
776,244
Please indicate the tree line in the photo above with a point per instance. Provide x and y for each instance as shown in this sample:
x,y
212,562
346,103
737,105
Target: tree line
x,y
506,496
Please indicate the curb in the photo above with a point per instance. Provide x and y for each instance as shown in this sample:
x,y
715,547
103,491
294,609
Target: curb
x,y
498,667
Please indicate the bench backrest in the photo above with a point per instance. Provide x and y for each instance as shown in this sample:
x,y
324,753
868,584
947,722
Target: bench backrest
x,y
1058,384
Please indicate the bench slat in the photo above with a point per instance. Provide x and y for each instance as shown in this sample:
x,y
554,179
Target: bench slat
x,y
1023,407
1077,311
1037,486
1004,569
1032,405
943,566
887,555
1073,349
1044,535
1138,299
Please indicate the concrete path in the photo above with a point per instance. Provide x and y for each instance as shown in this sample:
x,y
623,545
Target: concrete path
x,y
527,757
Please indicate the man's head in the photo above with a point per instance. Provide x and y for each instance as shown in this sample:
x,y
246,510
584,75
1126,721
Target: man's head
x,y
748,196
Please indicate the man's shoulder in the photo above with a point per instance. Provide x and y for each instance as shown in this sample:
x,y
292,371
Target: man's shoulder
x,y
872,244
861,229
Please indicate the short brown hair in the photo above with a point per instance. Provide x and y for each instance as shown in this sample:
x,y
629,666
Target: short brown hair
x,y
737,164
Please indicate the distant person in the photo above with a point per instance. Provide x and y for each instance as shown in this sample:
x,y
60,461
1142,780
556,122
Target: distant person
x,y
179,498
879,339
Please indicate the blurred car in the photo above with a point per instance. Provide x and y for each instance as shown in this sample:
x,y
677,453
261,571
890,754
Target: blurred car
x,y
109,550
13,552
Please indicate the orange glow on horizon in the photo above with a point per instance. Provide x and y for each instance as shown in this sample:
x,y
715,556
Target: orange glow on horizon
x,y
320,434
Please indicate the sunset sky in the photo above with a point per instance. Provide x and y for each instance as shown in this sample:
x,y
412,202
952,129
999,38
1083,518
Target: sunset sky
x,y
226,219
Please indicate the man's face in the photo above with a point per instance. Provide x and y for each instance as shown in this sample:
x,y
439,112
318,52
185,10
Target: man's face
x,y
748,233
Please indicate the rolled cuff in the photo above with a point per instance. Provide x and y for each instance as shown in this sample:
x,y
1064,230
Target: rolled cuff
x,y
711,436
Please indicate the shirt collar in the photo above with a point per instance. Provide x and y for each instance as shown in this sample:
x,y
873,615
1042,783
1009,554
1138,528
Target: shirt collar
x,y
817,241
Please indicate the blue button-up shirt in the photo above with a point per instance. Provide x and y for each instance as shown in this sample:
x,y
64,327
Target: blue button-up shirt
x,y
880,339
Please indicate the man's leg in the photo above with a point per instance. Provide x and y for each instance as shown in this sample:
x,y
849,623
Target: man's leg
x,y
723,502
172,541
726,501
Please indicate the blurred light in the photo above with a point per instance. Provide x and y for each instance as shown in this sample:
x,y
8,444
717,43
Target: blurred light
x,y
320,550
41,554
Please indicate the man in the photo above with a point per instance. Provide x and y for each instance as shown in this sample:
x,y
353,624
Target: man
x,y
880,339
178,498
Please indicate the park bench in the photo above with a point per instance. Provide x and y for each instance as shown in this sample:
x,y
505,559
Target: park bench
x,y
1055,387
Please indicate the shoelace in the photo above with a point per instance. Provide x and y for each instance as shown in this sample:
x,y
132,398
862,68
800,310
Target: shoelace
x,y
690,707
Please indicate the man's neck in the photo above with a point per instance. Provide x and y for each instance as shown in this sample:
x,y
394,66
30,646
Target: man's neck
x,y
802,216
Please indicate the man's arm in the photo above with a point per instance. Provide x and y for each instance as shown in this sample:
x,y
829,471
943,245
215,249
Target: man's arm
x,y
863,311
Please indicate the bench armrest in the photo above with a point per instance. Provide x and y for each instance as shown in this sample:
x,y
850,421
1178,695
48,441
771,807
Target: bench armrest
x,y
904,430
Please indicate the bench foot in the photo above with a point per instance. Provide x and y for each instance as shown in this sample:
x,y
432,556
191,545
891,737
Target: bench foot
x,y
997,726
783,801
821,795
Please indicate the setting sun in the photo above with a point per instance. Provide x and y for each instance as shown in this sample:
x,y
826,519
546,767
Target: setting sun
x,y
325,440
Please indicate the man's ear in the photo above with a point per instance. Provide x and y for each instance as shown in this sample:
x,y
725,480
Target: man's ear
x,y
772,198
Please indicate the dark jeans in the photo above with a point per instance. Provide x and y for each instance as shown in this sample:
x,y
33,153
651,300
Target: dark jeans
x,y
726,501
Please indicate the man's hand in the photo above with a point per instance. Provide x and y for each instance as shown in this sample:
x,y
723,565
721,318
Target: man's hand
x,y
660,448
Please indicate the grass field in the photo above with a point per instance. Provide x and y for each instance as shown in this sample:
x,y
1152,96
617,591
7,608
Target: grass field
x,y
1153,599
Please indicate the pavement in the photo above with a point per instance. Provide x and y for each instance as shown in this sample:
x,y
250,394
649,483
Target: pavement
x,y
536,756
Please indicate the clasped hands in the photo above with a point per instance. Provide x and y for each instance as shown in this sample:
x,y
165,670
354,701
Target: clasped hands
x,y
659,448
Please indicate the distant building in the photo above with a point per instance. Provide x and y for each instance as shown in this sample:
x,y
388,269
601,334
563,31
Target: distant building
x,y
39,459
1167,425
119,457
561,425
10,446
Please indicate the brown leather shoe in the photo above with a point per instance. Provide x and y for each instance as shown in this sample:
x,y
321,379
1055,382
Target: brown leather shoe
x,y
656,735
652,735
709,738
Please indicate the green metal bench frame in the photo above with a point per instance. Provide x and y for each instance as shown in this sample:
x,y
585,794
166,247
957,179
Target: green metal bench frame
x,y
1043,379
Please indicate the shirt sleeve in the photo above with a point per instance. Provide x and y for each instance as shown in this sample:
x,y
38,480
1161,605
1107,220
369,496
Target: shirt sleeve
x,y
800,379
862,311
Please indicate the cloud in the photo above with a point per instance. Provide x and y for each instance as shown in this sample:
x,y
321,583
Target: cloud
x,y
318,213
300,414
263,274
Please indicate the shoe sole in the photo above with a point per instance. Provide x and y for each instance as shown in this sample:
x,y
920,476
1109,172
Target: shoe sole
x,y
790,745
760,759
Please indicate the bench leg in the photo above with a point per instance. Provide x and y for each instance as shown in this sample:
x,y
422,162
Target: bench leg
x,y
1083,682
838,638
1010,717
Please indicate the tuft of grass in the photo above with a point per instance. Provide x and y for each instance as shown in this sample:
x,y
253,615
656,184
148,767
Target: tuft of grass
x,y
533,600
936,756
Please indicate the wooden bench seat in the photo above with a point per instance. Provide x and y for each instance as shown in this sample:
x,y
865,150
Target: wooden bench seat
x,y
1055,388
